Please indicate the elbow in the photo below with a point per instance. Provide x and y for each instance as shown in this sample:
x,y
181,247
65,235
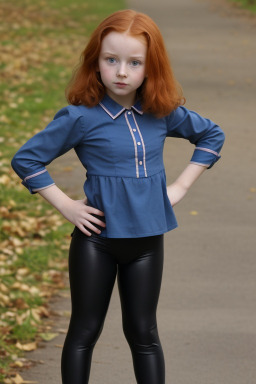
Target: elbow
x,y
222,135
218,138
222,138
15,163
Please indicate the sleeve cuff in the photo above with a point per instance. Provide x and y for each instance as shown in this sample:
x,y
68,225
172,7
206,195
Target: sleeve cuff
x,y
38,181
205,156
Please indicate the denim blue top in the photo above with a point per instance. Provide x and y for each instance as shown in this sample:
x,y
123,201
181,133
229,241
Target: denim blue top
x,y
122,151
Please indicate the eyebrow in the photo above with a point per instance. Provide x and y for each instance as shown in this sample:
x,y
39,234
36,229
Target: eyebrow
x,y
114,54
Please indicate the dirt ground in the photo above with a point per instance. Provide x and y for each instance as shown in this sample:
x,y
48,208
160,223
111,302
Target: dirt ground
x,y
207,311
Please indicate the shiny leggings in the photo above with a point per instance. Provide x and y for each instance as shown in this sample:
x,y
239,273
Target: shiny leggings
x,y
94,263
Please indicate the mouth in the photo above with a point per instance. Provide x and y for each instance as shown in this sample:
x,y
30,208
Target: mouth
x,y
121,84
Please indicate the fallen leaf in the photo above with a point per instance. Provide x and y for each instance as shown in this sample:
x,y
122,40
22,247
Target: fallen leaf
x,y
17,363
19,380
3,288
193,213
20,303
26,347
4,300
35,312
43,312
21,318
48,336
21,286
4,179
13,105
4,119
23,271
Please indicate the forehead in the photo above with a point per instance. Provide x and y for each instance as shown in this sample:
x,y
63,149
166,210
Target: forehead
x,y
116,42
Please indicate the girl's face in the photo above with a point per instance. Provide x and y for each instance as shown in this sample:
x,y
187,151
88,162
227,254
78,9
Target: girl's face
x,y
122,65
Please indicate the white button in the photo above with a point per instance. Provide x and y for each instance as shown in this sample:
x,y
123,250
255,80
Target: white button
x,y
134,130
139,143
129,113
140,163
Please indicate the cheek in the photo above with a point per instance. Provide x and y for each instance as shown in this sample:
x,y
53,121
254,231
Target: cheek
x,y
105,72
141,76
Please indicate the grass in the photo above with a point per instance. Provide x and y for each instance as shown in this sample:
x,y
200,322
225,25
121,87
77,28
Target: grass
x,y
250,5
40,44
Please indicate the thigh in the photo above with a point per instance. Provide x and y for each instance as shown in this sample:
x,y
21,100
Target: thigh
x,y
139,285
92,272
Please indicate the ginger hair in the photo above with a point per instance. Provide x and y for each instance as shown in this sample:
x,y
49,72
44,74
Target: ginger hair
x,y
160,93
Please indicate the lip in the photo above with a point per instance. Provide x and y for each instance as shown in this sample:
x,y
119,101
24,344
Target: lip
x,y
121,85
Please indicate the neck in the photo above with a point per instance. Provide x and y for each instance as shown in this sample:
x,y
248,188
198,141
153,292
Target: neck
x,y
126,101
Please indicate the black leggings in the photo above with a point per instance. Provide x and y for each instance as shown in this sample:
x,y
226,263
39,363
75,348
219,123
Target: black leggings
x,y
93,265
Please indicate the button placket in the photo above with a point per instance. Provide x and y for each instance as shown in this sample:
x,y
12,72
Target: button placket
x,y
143,160
138,143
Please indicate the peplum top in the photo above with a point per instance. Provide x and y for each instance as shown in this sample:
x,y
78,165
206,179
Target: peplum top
x,y
122,152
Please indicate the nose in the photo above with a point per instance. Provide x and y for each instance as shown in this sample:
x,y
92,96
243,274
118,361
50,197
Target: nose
x,y
122,72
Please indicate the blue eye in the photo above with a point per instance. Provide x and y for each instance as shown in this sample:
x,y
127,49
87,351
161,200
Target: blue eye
x,y
111,60
135,63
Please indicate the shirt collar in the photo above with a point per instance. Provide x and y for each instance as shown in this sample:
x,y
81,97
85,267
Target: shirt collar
x,y
113,109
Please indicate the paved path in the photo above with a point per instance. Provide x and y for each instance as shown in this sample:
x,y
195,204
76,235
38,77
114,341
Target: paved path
x,y
207,311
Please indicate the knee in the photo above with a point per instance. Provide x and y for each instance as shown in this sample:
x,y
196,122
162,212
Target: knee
x,y
84,335
141,334
90,335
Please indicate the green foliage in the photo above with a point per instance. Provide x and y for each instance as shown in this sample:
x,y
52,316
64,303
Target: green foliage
x,y
246,4
24,332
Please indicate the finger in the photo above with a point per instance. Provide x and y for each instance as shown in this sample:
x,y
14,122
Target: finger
x,y
95,211
95,220
90,226
84,230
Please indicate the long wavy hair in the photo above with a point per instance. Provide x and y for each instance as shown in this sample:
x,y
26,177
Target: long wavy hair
x,y
160,93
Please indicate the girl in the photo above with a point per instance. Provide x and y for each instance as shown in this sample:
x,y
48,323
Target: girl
x,y
124,102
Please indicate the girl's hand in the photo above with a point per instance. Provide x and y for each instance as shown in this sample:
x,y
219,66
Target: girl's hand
x,y
176,193
81,215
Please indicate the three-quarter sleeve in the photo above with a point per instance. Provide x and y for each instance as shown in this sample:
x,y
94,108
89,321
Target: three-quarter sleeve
x,y
65,132
203,133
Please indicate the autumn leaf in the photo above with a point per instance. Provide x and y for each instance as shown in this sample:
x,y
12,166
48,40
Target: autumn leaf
x,y
193,213
17,379
4,300
4,179
26,347
48,336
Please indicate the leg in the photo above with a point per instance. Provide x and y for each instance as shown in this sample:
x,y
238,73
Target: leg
x,y
139,285
92,274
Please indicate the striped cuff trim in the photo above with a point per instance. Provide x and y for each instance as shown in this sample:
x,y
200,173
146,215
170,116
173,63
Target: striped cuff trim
x,y
35,174
207,150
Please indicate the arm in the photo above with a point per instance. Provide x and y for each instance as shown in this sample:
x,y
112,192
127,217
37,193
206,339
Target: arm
x,y
207,137
66,131
178,189
75,211
63,133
